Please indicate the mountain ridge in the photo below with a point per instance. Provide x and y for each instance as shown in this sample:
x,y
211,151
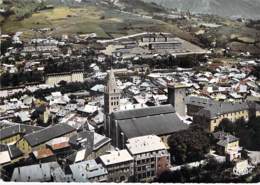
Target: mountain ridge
x,y
226,8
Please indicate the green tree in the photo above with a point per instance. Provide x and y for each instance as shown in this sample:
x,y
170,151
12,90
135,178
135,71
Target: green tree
x,y
189,145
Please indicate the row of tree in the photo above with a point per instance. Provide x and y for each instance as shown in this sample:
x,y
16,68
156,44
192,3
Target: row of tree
x,y
169,61
212,172
20,78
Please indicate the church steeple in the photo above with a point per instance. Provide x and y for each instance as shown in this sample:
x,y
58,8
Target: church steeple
x,y
112,94
111,83
111,100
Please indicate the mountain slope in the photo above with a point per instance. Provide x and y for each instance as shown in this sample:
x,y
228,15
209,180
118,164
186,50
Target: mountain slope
x,y
244,8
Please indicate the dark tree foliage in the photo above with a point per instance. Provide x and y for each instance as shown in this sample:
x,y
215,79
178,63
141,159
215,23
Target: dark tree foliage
x,y
256,72
212,172
61,67
20,78
254,130
227,126
189,145
165,62
5,45
247,132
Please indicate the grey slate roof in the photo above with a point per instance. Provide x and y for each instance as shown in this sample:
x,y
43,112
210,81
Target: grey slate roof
x,y
37,173
3,147
13,151
16,129
161,120
100,140
224,138
220,134
86,139
212,109
85,170
48,133
227,139
143,112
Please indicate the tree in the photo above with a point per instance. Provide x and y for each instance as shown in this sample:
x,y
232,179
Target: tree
x,y
62,83
5,79
255,125
247,132
227,126
189,145
212,172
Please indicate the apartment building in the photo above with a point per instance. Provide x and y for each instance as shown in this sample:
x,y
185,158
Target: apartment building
x,y
54,79
119,165
150,155
209,113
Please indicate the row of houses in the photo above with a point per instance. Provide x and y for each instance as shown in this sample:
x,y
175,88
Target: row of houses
x,y
142,161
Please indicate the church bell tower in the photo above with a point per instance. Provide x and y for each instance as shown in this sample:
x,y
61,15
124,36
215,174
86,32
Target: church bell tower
x,y
111,100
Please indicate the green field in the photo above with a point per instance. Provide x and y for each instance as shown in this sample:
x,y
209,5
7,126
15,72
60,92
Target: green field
x,y
62,19
88,19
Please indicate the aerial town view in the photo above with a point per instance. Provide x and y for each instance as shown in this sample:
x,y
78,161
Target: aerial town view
x,y
156,91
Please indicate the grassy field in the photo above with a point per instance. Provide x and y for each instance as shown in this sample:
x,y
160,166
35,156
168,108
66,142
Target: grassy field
x,y
104,22
62,20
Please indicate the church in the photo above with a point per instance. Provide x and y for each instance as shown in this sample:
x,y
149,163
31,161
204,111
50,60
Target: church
x,y
121,125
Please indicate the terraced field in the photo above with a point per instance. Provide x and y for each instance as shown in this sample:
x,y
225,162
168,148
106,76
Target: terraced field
x,y
104,22
61,19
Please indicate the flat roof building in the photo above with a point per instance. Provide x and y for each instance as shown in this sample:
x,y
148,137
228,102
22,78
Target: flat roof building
x,y
119,165
151,157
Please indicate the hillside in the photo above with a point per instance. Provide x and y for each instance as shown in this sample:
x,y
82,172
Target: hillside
x,y
114,18
104,20
229,8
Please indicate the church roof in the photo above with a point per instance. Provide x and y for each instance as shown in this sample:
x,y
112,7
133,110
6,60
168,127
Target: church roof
x,y
160,120
143,112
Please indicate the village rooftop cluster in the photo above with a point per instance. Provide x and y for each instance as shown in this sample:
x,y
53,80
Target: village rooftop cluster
x,y
95,110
